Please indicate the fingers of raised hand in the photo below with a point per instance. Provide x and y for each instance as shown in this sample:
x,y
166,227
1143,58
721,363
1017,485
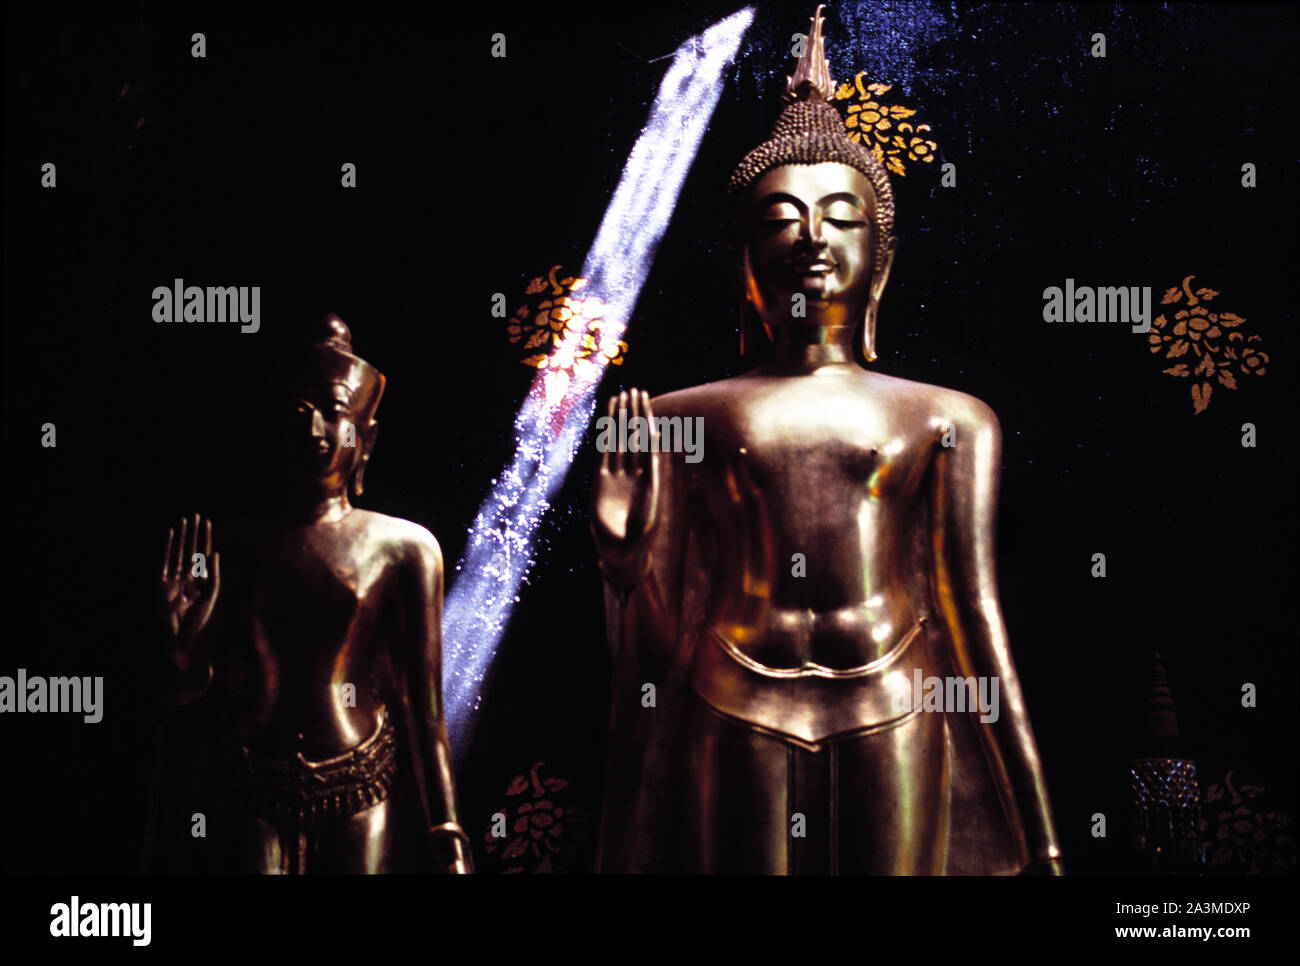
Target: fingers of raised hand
x,y
628,458
187,550
608,463
646,458
624,461
168,568
617,459
636,449
183,545
176,550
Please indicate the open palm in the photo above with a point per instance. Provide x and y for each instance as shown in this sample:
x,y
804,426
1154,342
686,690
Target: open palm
x,y
189,584
627,483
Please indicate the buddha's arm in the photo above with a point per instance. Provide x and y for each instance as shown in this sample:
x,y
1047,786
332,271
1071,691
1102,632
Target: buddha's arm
x,y
965,584
419,662
645,611
636,524
642,598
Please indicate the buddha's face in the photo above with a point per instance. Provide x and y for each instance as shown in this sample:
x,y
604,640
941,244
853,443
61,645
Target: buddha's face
x,y
325,440
810,232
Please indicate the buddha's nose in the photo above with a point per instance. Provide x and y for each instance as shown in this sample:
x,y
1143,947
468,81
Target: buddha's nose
x,y
317,424
813,232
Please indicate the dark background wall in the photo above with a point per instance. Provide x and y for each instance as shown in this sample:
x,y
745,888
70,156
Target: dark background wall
x,y
475,175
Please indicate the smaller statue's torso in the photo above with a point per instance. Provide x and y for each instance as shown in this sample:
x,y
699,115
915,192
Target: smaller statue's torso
x,y
314,614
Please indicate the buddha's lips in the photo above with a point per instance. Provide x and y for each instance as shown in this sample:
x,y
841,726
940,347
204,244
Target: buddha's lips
x,y
819,266
316,454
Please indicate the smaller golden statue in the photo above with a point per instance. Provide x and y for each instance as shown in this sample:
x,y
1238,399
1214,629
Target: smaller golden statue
x,y
321,635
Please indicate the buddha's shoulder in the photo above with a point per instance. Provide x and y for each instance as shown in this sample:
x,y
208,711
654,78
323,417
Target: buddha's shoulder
x,y
939,401
406,537
725,393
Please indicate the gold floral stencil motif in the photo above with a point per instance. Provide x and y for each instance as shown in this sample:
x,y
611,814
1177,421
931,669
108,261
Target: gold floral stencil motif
x,y
560,332
1246,836
543,831
1194,330
884,128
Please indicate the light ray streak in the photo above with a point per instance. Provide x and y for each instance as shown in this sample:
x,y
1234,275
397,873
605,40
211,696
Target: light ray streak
x,y
548,430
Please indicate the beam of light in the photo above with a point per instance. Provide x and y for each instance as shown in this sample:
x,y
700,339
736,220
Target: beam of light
x,y
554,416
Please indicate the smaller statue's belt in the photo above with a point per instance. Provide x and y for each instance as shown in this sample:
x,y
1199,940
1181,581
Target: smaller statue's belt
x,y
812,704
304,793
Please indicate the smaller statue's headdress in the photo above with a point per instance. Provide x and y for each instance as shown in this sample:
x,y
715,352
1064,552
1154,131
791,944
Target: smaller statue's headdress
x,y
811,131
330,359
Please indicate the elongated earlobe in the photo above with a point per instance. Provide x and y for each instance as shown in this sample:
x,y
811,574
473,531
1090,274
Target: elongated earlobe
x,y
359,475
869,333
368,444
873,303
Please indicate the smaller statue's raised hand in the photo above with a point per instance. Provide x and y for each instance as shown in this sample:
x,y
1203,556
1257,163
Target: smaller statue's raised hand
x,y
190,580
626,493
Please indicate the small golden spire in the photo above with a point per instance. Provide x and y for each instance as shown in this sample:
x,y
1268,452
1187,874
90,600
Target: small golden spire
x,y
812,75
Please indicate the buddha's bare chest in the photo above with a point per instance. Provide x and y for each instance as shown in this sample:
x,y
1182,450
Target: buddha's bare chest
x,y
307,613
832,460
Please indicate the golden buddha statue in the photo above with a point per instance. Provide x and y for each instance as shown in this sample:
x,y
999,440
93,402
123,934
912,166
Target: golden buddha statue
x,y
774,605
320,637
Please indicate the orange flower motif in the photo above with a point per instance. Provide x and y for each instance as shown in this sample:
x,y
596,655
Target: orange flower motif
x,y
1254,363
873,124
1244,834
540,835
1197,323
560,332
1197,330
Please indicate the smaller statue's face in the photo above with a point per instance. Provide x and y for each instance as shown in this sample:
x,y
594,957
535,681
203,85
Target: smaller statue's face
x,y
810,233
324,439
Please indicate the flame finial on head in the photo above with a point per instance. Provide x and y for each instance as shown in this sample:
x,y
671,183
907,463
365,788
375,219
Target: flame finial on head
x,y
812,75
333,331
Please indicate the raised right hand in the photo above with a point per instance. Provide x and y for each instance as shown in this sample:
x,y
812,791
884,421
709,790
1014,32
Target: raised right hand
x,y
187,600
626,493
